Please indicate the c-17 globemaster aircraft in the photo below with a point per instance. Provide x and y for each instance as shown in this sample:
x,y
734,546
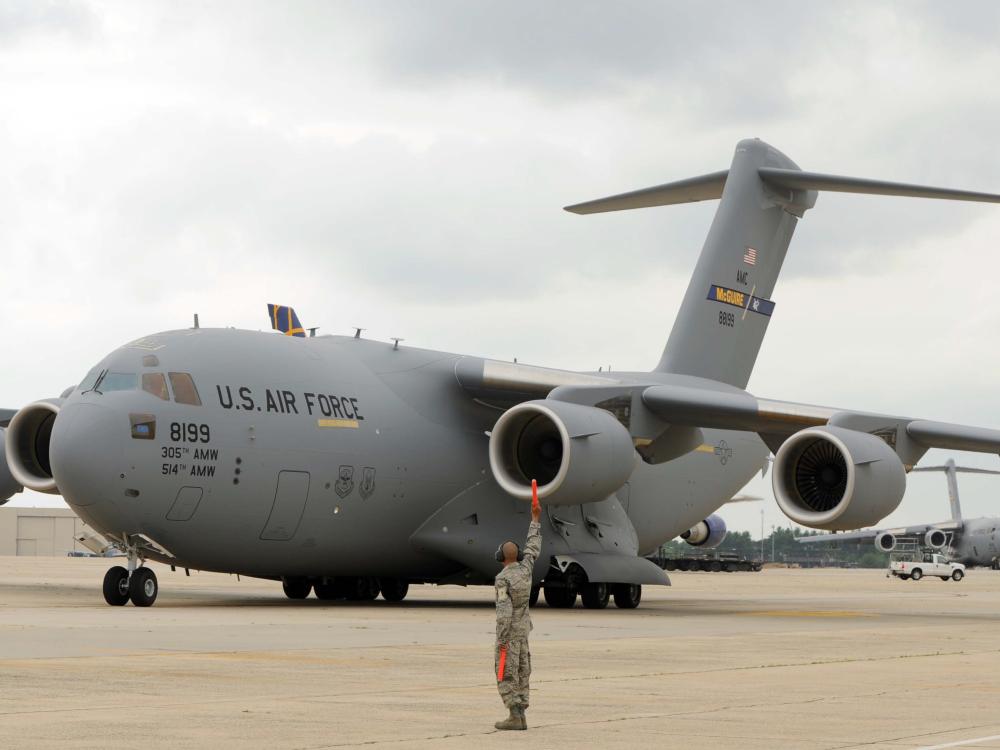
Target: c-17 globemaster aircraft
x,y
349,467
970,541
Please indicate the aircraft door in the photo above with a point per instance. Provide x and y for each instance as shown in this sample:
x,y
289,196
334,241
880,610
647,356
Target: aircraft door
x,y
289,504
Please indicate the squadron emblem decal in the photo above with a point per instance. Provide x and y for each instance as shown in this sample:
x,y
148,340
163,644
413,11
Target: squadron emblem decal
x,y
724,452
367,486
345,481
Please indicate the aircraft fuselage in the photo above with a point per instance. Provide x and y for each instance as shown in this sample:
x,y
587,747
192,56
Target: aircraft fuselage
x,y
323,457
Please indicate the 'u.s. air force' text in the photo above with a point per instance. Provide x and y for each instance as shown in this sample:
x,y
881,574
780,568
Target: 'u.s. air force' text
x,y
280,401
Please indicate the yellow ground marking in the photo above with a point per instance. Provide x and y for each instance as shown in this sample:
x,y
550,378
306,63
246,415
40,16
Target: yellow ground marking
x,y
808,613
352,423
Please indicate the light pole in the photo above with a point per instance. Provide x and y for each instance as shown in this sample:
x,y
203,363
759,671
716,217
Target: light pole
x,y
761,536
772,542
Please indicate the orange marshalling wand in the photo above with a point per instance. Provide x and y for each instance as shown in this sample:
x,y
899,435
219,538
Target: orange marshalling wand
x,y
502,663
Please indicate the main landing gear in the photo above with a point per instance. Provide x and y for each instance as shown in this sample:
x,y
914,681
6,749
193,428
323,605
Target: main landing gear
x,y
349,588
135,584
562,595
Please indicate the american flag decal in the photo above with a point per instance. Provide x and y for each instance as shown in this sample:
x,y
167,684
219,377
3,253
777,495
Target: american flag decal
x,y
750,257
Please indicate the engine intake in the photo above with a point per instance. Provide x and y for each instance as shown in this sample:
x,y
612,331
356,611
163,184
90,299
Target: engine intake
x,y
709,533
885,542
27,445
578,454
835,479
935,539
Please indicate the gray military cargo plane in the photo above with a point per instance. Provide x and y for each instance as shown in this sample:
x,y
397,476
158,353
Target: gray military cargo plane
x,y
972,541
349,467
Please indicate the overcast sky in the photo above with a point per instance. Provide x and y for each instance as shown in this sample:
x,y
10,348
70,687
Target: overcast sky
x,y
402,167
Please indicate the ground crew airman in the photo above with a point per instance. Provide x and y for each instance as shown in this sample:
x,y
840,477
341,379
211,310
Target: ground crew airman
x,y
512,656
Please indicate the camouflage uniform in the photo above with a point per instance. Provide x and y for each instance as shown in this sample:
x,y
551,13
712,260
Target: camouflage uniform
x,y
513,586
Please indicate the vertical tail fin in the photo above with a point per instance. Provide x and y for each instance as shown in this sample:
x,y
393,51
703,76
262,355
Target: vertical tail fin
x,y
951,473
724,314
725,311
285,320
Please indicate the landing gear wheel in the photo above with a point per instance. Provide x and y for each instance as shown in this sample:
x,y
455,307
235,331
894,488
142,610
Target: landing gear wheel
x,y
296,588
327,591
958,575
393,589
116,586
361,589
595,595
560,597
627,595
917,574
143,587
533,597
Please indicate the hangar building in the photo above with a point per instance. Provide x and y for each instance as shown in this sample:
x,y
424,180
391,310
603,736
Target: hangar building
x,y
40,531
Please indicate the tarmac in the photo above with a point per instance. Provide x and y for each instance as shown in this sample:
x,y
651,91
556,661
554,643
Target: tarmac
x,y
777,659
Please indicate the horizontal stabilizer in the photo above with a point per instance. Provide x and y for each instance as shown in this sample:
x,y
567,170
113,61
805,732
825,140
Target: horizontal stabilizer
x,y
705,187
793,179
962,469
709,187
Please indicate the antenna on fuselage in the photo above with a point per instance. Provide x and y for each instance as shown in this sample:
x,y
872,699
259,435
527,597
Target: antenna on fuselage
x,y
312,331
357,331
395,346
196,321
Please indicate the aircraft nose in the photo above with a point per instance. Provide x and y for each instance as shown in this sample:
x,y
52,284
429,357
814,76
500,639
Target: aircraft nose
x,y
86,452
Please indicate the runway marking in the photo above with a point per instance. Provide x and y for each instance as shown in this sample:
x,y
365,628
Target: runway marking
x,y
808,613
959,743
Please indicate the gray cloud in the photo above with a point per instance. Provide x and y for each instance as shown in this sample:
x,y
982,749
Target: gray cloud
x,y
22,19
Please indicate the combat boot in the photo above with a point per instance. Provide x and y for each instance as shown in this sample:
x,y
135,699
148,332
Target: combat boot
x,y
513,721
521,716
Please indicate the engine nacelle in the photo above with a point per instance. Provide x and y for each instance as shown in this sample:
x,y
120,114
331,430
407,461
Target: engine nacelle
x,y
935,539
578,454
835,479
885,542
709,533
27,445
8,485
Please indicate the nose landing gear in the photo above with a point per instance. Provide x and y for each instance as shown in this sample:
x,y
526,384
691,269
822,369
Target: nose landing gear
x,y
134,583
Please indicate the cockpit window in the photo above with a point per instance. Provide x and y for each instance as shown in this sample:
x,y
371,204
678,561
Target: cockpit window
x,y
184,389
155,383
118,381
88,382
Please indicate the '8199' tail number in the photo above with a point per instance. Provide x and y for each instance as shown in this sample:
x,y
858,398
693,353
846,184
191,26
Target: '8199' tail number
x,y
189,432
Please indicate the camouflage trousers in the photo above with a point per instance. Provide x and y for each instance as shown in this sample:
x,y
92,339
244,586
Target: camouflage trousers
x,y
513,687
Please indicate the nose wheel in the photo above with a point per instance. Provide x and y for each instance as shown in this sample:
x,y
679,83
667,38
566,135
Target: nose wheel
x,y
116,586
134,583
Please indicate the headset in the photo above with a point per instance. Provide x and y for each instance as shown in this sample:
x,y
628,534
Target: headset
x,y
498,555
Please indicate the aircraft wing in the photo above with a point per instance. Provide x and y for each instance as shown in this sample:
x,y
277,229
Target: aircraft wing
x,y
776,420
864,535
694,403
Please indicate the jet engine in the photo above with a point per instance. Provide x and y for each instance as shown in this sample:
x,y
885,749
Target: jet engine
x,y
709,533
27,445
885,542
835,479
935,539
578,454
8,485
